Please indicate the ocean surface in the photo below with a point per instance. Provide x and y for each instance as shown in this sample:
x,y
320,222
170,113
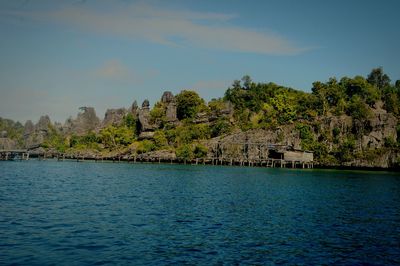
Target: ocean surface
x,y
69,213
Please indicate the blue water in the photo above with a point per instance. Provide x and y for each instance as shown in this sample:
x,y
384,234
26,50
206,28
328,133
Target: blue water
x,y
69,213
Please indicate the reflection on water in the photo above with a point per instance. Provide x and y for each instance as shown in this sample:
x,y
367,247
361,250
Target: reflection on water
x,y
100,213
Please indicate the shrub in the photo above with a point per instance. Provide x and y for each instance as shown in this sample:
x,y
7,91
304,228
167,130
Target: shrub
x,y
185,152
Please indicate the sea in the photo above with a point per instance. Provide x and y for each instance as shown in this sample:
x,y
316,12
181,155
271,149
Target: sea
x,y
87,213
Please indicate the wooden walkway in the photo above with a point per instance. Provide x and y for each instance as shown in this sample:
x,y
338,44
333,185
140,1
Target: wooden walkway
x,y
264,162
13,154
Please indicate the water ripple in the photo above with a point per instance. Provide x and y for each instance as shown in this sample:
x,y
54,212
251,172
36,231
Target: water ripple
x,y
95,214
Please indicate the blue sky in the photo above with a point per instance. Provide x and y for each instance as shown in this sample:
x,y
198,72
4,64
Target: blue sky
x,y
56,56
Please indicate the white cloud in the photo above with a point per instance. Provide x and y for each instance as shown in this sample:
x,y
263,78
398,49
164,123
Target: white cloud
x,y
113,69
171,27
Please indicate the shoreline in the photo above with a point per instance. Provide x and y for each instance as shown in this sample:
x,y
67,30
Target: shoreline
x,y
201,163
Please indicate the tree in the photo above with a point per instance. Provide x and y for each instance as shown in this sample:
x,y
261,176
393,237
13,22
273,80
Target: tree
x,y
188,104
378,78
358,109
246,82
200,151
185,152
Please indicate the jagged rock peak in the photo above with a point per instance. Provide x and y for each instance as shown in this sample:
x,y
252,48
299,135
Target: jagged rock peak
x,y
167,97
88,114
114,116
134,108
146,104
85,121
29,127
43,123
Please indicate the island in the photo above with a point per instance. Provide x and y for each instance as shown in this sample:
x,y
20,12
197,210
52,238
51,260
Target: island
x,y
346,122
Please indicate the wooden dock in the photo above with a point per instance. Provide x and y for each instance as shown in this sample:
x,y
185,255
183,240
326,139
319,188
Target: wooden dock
x,y
7,155
237,154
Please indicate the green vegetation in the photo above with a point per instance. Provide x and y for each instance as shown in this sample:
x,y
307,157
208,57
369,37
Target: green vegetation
x,y
249,105
189,104
12,130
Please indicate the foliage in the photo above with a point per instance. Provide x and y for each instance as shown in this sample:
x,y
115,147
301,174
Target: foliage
x,y
345,151
160,140
130,121
145,146
187,133
55,140
390,142
113,137
14,130
188,104
358,109
216,105
220,127
378,78
391,99
200,151
157,114
255,106
185,152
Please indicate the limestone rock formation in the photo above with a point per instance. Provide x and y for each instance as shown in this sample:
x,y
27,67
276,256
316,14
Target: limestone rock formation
x,y
382,126
34,135
144,117
134,109
163,155
146,135
29,127
201,118
85,121
7,144
43,124
114,117
169,101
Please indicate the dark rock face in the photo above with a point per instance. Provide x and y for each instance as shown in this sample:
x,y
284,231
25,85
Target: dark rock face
x,y
169,101
201,118
85,121
29,128
144,117
134,109
7,144
43,124
114,117
382,126
167,97
146,104
146,135
226,112
35,135
161,154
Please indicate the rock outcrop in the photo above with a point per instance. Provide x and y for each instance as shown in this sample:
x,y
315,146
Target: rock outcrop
x,y
169,101
144,117
35,135
114,117
7,143
85,122
134,109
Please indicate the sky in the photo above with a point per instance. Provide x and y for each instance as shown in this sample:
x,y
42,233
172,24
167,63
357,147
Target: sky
x,y
56,56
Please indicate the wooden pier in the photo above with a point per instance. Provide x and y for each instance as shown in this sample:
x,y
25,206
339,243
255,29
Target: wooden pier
x,y
6,155
238,154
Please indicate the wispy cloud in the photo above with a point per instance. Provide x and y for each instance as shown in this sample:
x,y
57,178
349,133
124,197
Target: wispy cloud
x,y
170,27
113,69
